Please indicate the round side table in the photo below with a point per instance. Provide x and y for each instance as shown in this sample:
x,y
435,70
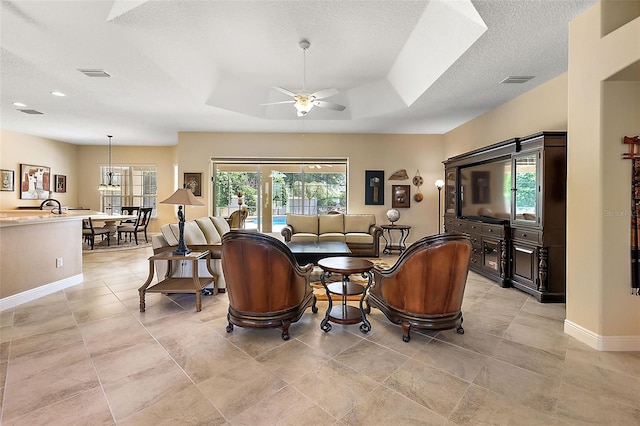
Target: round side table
x,y
388,239
343,313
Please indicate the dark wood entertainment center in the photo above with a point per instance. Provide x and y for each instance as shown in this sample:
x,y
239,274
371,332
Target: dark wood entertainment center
x,y
510,198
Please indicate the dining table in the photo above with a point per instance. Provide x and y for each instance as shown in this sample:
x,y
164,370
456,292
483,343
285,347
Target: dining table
x,y
110,221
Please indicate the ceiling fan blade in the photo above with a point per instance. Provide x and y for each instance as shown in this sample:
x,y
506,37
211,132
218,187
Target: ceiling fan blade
x,y
285,91
281,102
330,105
326,93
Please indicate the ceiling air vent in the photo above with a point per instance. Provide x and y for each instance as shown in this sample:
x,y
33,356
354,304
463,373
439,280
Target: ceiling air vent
x,y
517,79
30,111
94,73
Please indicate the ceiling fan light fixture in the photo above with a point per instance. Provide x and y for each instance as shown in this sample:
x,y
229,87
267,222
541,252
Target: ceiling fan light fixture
x,y
304,101
303,105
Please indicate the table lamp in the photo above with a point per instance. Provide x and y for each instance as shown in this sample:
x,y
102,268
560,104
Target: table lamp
x,y
182,197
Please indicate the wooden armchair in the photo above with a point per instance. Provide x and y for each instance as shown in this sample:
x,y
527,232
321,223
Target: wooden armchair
x,y
237,218
425,287
265,285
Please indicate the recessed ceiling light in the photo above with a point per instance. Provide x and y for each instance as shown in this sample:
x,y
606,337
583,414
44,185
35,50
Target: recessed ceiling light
x,y
56,93
19,104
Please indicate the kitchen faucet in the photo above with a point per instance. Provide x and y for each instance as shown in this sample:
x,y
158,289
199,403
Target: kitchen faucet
x,y
52,210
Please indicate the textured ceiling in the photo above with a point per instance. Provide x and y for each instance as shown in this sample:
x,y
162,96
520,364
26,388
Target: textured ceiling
x,y
399,66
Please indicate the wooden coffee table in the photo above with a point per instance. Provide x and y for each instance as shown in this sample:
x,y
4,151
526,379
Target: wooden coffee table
x,y
312,252
343,313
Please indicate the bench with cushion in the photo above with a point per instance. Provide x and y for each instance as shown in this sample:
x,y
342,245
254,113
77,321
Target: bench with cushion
x,y
358,231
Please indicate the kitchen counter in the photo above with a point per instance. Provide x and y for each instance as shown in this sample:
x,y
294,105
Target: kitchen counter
x,y
29,217
40,253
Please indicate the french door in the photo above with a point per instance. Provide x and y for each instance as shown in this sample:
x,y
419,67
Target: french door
x,y
270,189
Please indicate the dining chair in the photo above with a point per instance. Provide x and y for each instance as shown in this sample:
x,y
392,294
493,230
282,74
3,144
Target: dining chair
x,y
89,232
142,221
130,210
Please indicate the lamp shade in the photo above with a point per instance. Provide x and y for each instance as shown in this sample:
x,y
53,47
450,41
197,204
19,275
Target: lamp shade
x,y
439,183
183,197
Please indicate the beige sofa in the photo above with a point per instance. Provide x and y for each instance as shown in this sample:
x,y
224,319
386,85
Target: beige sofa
x,y
204,233
358,231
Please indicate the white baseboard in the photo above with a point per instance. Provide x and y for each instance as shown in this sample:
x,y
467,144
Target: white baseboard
x,y
602,343
38,292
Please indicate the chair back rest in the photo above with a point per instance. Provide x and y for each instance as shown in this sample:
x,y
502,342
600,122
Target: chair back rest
x,y
261,273
429,277
233,219
244,213
143,217
87,224
129,209
237,218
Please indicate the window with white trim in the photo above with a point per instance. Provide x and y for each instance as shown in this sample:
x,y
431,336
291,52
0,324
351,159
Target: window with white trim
x,y
138,188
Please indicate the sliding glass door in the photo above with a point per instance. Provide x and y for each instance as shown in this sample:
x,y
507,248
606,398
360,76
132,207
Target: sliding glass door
x,y
270,189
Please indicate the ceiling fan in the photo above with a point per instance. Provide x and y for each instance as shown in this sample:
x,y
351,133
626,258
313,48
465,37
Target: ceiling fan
x,y
303,102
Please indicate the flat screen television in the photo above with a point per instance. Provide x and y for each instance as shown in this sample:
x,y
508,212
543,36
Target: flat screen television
x,y
485,190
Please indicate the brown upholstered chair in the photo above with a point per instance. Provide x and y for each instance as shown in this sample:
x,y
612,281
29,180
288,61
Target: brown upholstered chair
x,y
237,218
265,285
425,287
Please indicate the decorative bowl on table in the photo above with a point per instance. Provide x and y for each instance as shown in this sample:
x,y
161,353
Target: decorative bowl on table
x,y
393,215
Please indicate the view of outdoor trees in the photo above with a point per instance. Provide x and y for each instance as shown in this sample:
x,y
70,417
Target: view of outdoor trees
x,y
304,193
526,193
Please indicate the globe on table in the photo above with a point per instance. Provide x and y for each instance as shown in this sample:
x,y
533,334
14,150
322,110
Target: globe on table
x,y
393,215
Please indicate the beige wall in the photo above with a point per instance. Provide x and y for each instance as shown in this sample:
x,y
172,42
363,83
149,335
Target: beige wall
x,y
79,163
542,108
28,254
62,158
89,157
365,152
604,106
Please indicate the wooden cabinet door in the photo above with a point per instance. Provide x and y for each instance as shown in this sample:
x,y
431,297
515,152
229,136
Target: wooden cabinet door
x,y
526,189
451,192
524,264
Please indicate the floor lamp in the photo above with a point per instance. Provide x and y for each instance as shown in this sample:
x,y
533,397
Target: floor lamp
x,y
439,184
182,197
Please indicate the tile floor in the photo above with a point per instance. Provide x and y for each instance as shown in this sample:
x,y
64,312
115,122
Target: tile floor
x,y
86,355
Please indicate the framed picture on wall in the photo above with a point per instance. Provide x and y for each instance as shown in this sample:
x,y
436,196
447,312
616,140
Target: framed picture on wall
x,y
193,181
374,187
7,179
401,196
35,182
61,183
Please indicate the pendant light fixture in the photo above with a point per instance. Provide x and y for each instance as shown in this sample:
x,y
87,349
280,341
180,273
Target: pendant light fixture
x,y
110,185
